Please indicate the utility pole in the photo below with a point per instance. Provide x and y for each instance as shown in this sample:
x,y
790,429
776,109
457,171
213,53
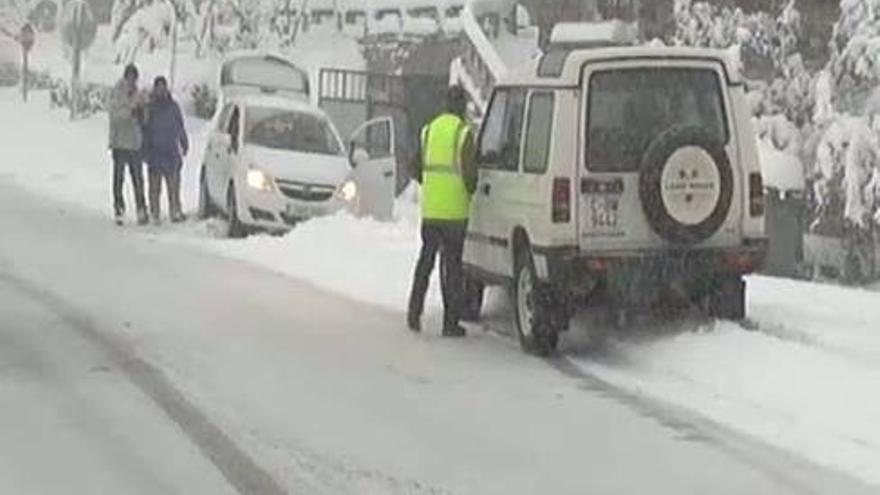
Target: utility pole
x,y
173,65
26,39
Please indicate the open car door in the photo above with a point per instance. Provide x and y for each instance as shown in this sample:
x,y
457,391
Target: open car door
x,y
371,149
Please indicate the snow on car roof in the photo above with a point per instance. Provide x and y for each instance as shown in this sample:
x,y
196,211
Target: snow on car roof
x,y
278,102
562,66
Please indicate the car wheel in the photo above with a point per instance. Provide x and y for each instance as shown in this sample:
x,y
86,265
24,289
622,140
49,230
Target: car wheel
x,y
533,308
472,299
235,229
207,208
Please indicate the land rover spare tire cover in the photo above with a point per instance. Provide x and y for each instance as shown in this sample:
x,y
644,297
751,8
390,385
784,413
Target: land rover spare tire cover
x,y
686,185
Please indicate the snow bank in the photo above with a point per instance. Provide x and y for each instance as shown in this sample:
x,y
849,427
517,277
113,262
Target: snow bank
x,y
362,259
794,395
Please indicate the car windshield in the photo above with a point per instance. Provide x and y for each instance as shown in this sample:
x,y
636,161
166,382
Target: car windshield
x,y
629,108
290,130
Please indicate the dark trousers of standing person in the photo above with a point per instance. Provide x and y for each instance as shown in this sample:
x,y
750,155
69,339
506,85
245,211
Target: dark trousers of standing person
x,y
132,160
171,178
448,239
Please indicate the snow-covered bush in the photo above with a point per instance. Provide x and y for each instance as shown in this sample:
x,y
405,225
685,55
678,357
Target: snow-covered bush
x,y
91,98
849,154
847,114
855,53
204,99
145,29
10,74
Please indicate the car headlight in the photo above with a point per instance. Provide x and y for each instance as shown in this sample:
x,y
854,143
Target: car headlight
x,y
259,180
348,191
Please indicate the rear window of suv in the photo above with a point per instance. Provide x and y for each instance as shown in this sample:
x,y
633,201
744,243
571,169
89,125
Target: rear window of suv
x,y
629,108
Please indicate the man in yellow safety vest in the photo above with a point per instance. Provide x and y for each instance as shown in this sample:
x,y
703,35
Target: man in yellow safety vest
x,y
448,175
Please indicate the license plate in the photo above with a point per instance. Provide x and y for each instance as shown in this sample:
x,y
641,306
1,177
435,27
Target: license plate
x,y
604,212
300,211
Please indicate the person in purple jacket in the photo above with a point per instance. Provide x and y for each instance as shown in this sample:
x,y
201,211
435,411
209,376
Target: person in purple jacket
x,y
165,145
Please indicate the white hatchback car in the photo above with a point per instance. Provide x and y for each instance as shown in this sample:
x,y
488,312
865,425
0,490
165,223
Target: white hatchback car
x,y
273,162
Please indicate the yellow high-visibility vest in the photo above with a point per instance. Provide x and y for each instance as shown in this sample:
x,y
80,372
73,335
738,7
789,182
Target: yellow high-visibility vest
x,y
444,195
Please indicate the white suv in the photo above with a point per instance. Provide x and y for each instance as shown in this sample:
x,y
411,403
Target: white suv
x,y
619,175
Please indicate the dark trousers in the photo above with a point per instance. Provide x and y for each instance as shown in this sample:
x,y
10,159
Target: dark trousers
x,y
132,160
172,184
448,239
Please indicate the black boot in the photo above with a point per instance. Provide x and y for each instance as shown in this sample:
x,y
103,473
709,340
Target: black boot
x,y
454,331
414,322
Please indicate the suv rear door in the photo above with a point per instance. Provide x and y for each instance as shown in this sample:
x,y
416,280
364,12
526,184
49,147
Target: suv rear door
x,y
627,105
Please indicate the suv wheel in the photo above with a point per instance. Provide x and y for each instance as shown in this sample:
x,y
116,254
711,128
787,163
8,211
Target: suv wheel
x,y
533,308
207,209
235,229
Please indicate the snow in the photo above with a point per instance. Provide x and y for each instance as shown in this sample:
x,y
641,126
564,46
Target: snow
x,y
483,45
516,50
322,252
67,409
802,381
782,171
614,31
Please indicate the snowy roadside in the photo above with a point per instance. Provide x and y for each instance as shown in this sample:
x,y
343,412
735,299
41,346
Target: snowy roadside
x,y
804,381
361,259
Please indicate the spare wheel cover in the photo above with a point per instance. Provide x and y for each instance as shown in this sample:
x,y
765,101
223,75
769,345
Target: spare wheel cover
x,y
686,185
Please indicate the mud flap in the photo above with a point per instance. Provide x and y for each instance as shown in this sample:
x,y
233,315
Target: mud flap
x,y
728,300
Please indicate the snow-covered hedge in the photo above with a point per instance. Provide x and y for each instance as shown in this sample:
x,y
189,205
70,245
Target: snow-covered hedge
x,y
828,120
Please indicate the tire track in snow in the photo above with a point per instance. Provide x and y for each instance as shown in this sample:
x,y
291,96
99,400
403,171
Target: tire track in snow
x,y
783,466
236,466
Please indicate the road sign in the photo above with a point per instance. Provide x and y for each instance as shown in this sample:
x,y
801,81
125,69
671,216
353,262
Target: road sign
x,y
26,37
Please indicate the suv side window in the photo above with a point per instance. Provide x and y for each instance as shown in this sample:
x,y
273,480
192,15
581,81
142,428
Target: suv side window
x,y
536,148
502,132
510,153
492,137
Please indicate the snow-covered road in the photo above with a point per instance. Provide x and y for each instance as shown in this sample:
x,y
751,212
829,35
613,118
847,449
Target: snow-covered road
x,y
333,396
71,423
293,349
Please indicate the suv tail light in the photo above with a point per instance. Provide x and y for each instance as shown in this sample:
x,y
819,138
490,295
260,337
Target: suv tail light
x,y
756,195
561,200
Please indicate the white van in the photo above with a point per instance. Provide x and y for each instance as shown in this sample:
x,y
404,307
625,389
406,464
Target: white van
x,y
619,175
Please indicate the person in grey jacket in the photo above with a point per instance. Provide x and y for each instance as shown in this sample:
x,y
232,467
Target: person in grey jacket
x,y
126,111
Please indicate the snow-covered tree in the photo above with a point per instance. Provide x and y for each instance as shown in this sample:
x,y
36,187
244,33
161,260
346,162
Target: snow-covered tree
x,y
855,53
13,15
846,170
763,39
